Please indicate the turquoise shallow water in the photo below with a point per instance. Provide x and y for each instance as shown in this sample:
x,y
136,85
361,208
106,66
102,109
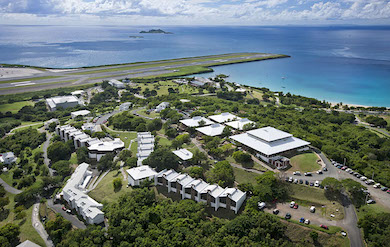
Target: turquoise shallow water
x,y
348,64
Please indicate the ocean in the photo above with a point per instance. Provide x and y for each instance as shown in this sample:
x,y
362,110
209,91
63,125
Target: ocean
x,y
336,64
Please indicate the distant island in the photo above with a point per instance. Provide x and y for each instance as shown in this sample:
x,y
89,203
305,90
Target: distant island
x,y
136,37
156,31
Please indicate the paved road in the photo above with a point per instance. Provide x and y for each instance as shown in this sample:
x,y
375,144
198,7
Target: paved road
x,y
72,218
350,222
70,78
37,224
46,160
9,188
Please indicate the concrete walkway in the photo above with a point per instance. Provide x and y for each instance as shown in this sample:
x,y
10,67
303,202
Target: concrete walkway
x,y
37,224
9,188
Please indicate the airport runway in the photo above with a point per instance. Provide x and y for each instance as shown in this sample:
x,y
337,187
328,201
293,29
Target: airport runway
x,y
82,76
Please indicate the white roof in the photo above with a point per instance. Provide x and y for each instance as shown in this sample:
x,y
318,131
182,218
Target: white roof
x,y
141,172
233,193
194,122
80,113
241,90
185,180
107,146
224,117
169,175
201,186
185,100
239,124
28,243
183,154
212,130
77,92
269,134
270,148
62,99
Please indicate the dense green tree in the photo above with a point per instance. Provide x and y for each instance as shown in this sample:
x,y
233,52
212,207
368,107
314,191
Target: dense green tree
x,y
62,167
106,162
269,188
117,183
242,157
222,174
162,158
9,233
195,171
82,155
58,151
333,185
58,228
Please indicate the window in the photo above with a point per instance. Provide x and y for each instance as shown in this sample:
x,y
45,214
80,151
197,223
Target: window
x,y
203,196
188,190
222,200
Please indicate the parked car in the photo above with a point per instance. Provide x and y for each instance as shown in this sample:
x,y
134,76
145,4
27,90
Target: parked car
x,y
325,169
377,185
64,208
363,178
311,183
312,209
306,182
69,211
290,179
307,173
358,175
288,216
388,191
344,168
292,204
371,201
297,173
302,220
324,226
307,221
286,179
295,181
319,172
296,206
317,183
275,211
384,188
348,169
300,181
344,234
350,172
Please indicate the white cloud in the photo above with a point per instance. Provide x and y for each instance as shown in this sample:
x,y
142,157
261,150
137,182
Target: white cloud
x,y
209,12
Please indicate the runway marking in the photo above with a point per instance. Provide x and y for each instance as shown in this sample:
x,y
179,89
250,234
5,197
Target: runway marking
x,y
22,83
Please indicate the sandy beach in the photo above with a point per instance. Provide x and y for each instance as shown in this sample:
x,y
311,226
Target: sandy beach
x,y
17,72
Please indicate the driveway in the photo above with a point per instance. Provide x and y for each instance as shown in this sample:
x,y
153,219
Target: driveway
x,y
72,218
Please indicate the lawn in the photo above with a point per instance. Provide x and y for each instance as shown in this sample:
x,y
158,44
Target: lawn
x,y
15,107
125,136
243,176
306,162
152,114
27,231
307,196
104,191
164,142
36,125
297,232
134,148
73,158
372,208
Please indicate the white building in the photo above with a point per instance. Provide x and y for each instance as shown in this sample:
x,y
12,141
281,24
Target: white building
x,y
200,81
99,149
162,106
145,142
224,117
183,154
7,158
239,124
80,113
200,191
137,175
270,143
181,81
91,127
195,121
116,83
125,106
74,193
62,101
212,130
77,93
240,90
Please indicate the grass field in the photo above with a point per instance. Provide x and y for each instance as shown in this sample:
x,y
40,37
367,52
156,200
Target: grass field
x,y
243,176
372,208
104,191
162,87
296,233
152,114
164,141
307,196
15,107
27,231
306,162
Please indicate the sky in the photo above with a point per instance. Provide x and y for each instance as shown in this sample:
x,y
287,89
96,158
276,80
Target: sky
x,y
195,12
